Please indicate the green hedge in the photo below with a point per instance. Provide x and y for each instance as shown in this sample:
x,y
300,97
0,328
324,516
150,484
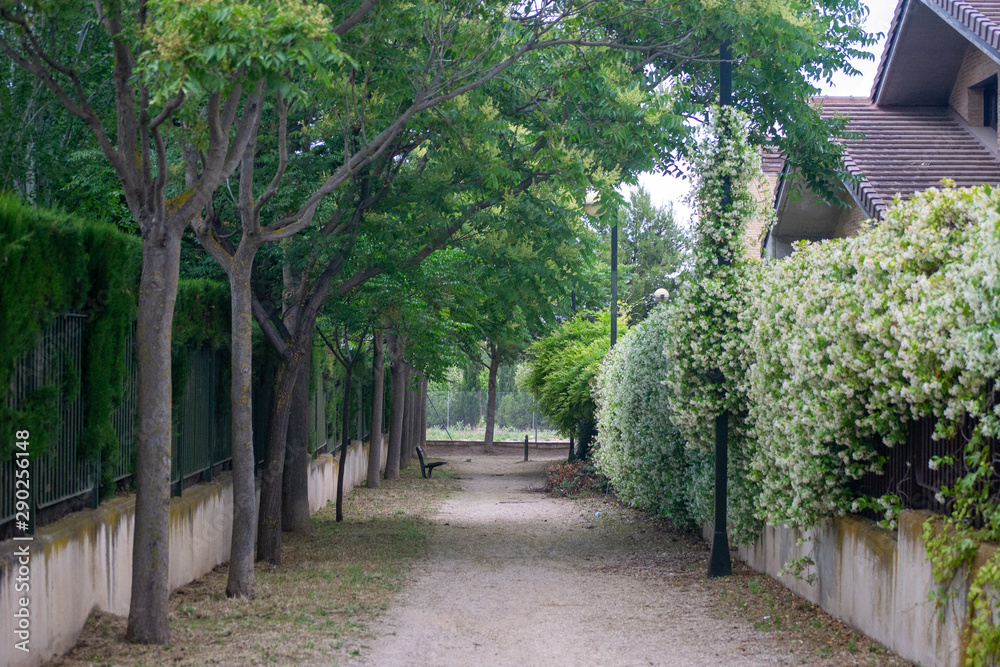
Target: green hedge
x,y
53,263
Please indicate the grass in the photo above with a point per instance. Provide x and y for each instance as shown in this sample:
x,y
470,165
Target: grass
x,y
315,608
772,608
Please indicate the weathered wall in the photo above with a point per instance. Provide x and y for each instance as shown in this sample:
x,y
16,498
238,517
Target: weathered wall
x,y
85,560
871,579
850,222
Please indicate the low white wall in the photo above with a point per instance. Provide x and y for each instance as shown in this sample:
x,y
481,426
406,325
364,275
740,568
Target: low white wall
x,y
874,580
85,560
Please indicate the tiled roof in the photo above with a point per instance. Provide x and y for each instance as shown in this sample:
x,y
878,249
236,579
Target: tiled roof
x,y
772,161
980,17
909,149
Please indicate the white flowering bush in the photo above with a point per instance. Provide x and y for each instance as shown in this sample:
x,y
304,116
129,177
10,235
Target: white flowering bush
x,y
638,447
852,338
705,336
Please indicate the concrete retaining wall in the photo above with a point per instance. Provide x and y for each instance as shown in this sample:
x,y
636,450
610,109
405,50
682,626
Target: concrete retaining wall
x,y
85,560
872,579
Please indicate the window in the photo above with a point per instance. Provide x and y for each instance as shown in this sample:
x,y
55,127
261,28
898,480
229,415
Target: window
x,y
983,96
990,103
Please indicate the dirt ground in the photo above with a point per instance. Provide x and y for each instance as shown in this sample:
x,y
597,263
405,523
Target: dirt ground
x,y
478,566
518,577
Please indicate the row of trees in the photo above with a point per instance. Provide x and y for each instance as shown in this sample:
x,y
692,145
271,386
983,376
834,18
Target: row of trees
x,y
327,155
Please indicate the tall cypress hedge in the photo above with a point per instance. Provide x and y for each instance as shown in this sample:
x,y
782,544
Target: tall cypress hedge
x,y
53,263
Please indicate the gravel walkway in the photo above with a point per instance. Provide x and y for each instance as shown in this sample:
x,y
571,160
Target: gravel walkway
x,y
515,577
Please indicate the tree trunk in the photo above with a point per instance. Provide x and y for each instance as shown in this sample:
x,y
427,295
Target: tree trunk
x,y
491,398
241,557
148,618
284,495
359,391
269,520
345,441
375,437
397,379
295,511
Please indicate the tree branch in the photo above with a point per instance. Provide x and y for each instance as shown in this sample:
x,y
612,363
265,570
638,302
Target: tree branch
x,y
355,18
272,187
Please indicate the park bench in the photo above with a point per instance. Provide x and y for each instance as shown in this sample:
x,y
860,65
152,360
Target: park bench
x,y
427,468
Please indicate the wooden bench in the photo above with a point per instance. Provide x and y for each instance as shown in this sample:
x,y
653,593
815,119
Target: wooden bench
x,y
427,468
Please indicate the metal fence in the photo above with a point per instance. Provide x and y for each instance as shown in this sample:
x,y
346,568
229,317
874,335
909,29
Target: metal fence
x,y
201,428
907,474
462,411
59,473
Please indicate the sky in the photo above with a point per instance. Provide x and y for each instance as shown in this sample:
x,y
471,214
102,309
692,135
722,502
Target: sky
x,y
667,189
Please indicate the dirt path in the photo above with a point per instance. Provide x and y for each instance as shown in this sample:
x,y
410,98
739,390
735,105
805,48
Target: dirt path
x,y
515,577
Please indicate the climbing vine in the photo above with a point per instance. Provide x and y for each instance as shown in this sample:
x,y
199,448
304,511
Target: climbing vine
x,y
852,339
705,334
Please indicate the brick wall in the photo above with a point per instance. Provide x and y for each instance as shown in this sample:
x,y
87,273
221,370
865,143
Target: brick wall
x,y
976,67
850,222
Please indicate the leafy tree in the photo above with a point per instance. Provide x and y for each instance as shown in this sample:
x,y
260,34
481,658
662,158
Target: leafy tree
x,y
186,78
652,250
563,366
475,153
523,269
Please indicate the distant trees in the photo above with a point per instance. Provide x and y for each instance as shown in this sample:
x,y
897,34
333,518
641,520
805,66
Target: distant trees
x,y
651,252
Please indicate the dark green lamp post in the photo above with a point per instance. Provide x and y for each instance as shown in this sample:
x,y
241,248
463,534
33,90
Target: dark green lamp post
x,y
719,564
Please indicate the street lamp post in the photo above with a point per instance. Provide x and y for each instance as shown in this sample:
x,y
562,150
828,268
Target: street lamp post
x,y
593,208
719,564
614,283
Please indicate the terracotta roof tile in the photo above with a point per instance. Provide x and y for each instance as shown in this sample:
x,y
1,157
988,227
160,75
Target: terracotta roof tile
x,y
982,17
909,149
772,161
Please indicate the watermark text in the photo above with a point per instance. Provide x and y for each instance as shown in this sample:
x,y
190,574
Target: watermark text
x,y
22,526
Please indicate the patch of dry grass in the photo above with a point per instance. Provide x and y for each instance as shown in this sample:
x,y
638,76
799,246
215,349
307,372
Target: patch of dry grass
x,y
314,609
808,634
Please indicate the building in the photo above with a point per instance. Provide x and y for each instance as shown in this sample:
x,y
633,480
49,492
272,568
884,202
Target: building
x,y
932,115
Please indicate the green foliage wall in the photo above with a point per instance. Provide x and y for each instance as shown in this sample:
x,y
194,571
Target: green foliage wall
x,y
52,263
202,317
638,447
563,365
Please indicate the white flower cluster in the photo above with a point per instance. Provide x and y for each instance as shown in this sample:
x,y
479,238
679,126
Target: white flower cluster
x,y
815,358
705,336
639,448
852,338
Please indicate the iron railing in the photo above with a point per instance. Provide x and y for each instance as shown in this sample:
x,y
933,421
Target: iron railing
x,y
59,473
907,474
202,421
